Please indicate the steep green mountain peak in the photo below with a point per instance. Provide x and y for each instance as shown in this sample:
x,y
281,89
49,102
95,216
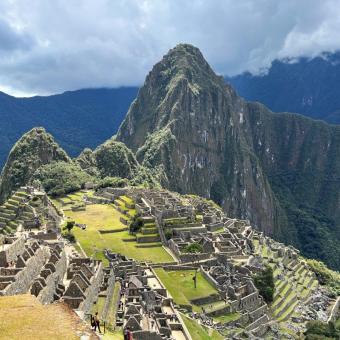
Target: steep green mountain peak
x,y
280,171
169,93
34,149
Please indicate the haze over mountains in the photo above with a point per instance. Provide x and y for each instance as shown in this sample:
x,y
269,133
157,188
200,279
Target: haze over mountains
x,y
309,86
86,118
77,119
192,133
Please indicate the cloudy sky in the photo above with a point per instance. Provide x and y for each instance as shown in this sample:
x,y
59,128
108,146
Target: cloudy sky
x,y
52,46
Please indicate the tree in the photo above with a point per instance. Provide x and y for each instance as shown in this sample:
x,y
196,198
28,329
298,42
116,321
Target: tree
x,y
193,248
168,234
69,226
321,330
136,224
264,282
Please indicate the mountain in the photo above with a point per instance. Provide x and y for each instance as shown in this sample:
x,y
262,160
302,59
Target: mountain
x,y
33,150
307,86
77,119
280,171
112,160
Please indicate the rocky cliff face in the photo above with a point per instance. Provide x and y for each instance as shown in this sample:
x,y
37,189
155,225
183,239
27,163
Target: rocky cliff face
x,y
34,149
281,171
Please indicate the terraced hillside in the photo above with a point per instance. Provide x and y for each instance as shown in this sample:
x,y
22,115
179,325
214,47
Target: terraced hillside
x,y
107,225
295,283
25,211
158,262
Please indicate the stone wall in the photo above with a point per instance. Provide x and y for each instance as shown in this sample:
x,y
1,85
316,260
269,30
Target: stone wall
x,y
93,290
210,279
109,295
25,277
47,293
11,251
185,258
206,299
335,311
146,335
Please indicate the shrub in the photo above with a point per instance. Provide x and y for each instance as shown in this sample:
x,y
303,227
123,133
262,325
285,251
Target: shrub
x,y
193,248
135,225
69,226
116,182
60,178
168,234
321,330
70,237
264,282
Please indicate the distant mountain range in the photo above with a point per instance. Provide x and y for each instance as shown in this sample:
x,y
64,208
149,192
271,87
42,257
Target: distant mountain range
x,y
306,86
86,118
189,131
77,119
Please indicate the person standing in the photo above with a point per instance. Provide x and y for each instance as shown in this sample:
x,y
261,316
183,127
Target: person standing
x,y
97,323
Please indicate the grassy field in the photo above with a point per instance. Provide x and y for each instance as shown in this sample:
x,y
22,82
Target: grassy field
x,y
106,217
227,317
23,317
199,332
180,284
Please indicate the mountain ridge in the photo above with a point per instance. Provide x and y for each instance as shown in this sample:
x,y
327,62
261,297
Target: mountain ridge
x,y
193,134
304,85
77,119
220,155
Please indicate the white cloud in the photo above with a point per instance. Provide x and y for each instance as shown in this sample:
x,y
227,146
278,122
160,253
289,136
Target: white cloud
x,y
52,46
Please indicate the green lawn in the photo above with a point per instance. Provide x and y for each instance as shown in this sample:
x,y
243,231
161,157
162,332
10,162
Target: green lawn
x,y
199,332
106,217
180,284
227,317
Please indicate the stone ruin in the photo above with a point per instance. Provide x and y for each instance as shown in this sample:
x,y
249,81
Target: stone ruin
x,y
228,257
144,305
34,258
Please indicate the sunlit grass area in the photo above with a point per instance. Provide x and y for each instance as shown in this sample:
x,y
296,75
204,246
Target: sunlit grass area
x,y
105,217
199,332
180,284
24,317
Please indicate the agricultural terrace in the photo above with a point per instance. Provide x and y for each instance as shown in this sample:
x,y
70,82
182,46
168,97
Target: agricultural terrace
x,y
291,287
105,230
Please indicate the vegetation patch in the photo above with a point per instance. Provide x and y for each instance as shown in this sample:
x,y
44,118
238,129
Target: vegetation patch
x,y
264,282
60,178
180,284
326,276
199,332
105,217
317,330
